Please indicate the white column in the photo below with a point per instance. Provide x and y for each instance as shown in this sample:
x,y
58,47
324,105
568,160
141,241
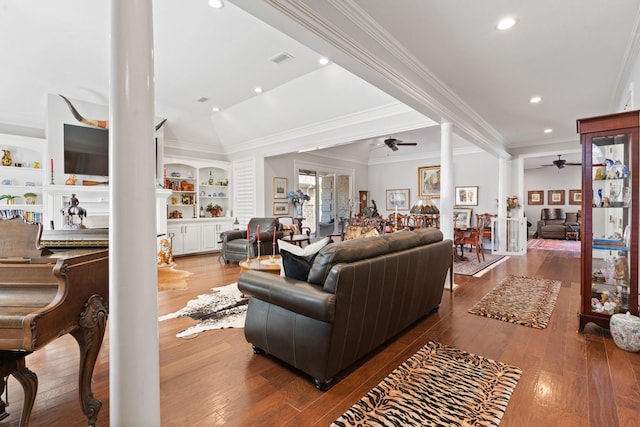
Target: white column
x,y
446,180
502,204
134,379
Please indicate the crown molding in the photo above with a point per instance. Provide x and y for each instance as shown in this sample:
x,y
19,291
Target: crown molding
x,y
360,125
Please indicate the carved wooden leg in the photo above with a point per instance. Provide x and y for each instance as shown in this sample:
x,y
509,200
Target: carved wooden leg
x,y
29,382
93,321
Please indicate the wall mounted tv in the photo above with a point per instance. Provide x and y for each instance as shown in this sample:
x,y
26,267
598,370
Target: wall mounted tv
x,y
86,150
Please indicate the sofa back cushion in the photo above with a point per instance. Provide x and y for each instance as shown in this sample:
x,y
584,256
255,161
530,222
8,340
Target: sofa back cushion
x,y
355,250
572,218
548,214
266,224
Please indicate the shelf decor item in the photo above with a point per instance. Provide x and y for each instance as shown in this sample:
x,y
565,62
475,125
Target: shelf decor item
x,y
214,209
6,158
9,198
30,198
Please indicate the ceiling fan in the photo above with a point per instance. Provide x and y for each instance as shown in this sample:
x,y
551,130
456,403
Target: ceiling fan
x,y
394,143
561,163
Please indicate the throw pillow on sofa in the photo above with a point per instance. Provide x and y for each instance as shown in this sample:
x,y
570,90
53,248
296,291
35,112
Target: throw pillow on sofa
x,y
297,261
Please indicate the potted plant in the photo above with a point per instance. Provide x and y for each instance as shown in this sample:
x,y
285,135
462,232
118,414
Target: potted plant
x,y
214,210
10,198
30,198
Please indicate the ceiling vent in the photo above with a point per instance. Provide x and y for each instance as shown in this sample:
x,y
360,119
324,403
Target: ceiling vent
x,y
281,57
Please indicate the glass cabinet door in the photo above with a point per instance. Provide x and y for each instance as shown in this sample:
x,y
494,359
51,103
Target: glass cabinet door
x,y
611,232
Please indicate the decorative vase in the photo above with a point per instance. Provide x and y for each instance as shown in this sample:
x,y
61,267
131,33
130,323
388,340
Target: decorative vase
x,y
298,207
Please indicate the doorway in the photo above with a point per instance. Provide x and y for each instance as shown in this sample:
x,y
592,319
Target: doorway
x,y
330,192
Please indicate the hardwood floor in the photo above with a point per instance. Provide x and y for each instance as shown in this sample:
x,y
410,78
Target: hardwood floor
x,y
569,379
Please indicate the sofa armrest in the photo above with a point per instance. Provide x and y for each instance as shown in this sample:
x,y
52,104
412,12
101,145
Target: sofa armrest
x,y
539,226
294,295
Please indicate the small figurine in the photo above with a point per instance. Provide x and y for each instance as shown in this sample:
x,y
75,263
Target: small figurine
x,y
71,180
165,254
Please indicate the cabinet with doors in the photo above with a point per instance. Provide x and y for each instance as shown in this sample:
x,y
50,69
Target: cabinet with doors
x,y
22,176
610,204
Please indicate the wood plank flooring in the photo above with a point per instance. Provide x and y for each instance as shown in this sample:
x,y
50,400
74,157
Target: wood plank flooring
x,y
569,379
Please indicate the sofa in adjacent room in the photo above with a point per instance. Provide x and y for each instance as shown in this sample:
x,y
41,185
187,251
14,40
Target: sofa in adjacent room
x,y
554,223
357,295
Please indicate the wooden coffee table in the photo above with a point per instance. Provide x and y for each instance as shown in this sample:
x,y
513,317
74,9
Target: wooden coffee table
x,y
262,263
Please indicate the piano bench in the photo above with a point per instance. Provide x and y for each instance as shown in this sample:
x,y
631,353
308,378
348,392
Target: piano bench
x,y
12,363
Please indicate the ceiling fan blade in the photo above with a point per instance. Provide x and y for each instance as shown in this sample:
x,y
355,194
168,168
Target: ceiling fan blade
x,y
407,143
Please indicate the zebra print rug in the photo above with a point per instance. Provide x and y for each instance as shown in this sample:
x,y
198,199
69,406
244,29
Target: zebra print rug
x,y
437,386
526,301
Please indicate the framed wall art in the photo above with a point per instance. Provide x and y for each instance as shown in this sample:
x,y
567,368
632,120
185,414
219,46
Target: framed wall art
x,y
466,196
575,197
536,197
556,197
398,199
429,181
279,188
281,208
462,217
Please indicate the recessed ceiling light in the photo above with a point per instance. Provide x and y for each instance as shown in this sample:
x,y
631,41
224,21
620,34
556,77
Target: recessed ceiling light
x,y
257,89
548,130
506,23
323,61
215,109
535,99
216,4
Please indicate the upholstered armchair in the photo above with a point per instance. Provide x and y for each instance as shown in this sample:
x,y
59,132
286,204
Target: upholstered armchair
x,y
236,246
551,224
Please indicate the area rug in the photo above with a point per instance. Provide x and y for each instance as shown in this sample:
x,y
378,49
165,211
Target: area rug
x,y
437,386
554,245
170,278
526,301
471,266
225,307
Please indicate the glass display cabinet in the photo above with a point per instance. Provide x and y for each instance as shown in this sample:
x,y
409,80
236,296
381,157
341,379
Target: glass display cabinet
x,y
610,203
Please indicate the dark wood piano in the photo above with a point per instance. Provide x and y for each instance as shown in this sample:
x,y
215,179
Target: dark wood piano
x,y
45,295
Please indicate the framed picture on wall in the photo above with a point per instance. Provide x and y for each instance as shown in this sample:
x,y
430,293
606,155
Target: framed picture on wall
x,y
536,197
398,199
279,188
556,197
462,217
575,197
466,196
281,208
429,181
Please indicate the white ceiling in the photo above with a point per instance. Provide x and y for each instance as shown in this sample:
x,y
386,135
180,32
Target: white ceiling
x,y
444,59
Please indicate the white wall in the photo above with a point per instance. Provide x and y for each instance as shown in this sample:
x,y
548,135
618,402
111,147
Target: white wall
x,y
477,169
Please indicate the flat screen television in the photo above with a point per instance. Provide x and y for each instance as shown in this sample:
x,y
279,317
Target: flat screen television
x,y
86,150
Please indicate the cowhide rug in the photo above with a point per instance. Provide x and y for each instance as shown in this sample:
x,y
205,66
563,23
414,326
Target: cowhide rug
x,y
224,307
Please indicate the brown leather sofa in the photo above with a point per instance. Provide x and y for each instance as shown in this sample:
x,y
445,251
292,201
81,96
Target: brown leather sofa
x,y
358,294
